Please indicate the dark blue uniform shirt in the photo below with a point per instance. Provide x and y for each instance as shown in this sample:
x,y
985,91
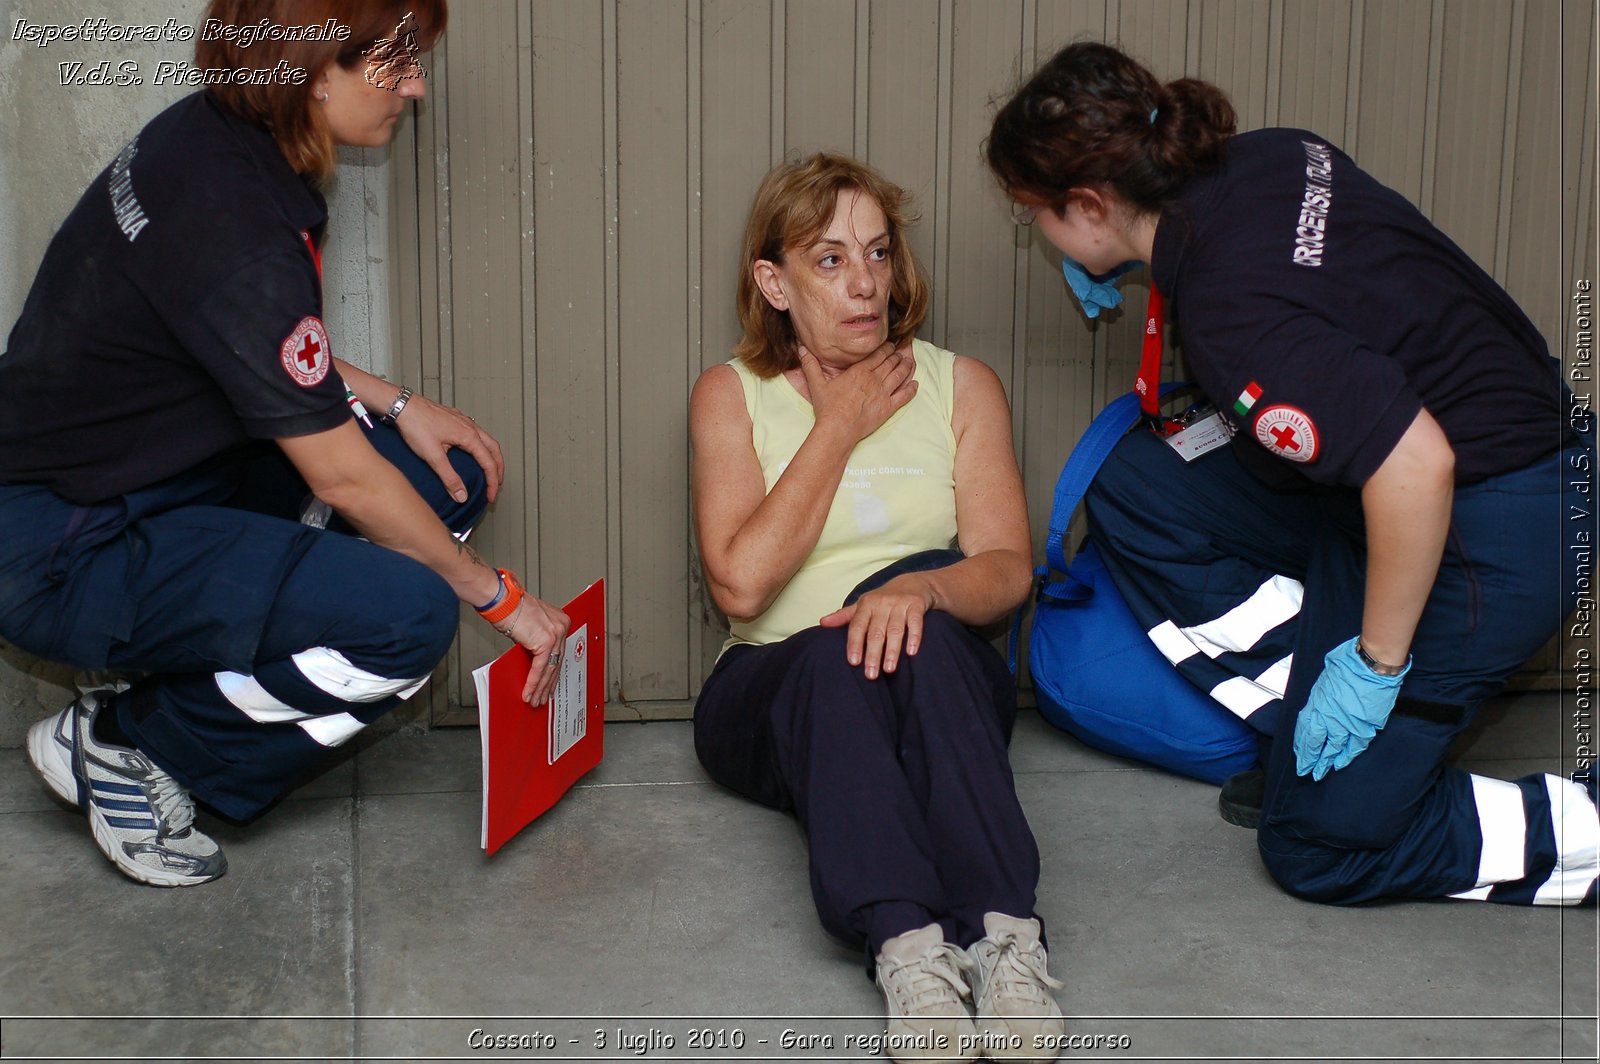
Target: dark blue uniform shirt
x,y
176,315
1321,311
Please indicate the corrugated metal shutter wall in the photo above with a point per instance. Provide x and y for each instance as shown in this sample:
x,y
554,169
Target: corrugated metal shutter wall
x,y
583,168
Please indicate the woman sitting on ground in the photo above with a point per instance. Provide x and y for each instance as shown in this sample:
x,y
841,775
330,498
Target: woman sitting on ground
x,y
837,453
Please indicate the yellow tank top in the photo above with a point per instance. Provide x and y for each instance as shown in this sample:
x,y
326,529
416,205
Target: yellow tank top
x,y
897,496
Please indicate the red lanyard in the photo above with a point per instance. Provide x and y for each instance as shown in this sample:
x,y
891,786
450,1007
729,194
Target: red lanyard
x,y
349,396
316,252
1148,384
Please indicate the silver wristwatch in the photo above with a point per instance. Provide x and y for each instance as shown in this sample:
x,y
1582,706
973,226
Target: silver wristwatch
x,y
1375,665
398,405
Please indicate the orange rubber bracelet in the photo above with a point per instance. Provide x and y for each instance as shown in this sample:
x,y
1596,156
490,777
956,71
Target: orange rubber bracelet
x,y
508,602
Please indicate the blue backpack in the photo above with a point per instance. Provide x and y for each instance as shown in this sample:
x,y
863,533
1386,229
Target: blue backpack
x,y
1095,671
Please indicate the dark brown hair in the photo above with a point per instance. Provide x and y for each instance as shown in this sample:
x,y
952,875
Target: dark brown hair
x,y
1092,117
792,208
283,108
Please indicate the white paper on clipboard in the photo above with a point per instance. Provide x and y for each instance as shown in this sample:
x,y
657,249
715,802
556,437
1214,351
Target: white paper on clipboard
x,y
569,706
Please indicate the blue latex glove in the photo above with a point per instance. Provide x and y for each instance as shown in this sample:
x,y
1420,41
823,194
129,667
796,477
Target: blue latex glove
x,y
1095,293
1348,704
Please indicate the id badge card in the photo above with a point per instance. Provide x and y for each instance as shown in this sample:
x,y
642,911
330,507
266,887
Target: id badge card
x,y
1205,433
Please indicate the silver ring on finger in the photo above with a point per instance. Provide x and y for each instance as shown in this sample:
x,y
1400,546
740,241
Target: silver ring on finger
x,y
555,656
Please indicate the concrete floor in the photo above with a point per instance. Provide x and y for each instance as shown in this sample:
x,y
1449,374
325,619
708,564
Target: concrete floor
x,y
359,919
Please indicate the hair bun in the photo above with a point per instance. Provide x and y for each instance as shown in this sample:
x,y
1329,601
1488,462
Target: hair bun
x,y
1091,116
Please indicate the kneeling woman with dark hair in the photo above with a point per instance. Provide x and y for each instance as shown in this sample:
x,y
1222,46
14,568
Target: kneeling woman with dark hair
x,y
172,427
836,450
1386,540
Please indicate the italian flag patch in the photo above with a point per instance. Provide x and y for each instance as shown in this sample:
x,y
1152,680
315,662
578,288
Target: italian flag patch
x,y
1247,398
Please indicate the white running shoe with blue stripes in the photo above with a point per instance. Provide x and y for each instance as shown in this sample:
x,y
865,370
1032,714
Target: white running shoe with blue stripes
x,y
140,817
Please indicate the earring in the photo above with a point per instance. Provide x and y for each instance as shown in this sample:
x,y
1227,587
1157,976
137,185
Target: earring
x,y
322,96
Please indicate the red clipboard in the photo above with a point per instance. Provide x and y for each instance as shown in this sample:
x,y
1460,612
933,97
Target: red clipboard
x,y
533,754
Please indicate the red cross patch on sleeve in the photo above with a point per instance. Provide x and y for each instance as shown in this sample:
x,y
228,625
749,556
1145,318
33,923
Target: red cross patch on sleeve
x,y
305,352
1287,431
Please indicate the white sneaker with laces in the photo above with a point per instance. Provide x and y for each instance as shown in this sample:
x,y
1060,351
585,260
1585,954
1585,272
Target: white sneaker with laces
x,y
140,817
1018,1018
925,995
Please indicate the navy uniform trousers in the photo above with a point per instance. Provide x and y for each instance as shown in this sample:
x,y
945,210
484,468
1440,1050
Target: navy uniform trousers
x,y
255,644
1246,589
902,784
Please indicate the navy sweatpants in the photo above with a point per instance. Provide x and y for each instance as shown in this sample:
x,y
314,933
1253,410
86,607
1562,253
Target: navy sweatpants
x,y
1246,589
255,644
902,784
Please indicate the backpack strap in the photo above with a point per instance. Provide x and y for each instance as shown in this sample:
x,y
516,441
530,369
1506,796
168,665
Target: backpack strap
x,y
1090,453
1097,442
